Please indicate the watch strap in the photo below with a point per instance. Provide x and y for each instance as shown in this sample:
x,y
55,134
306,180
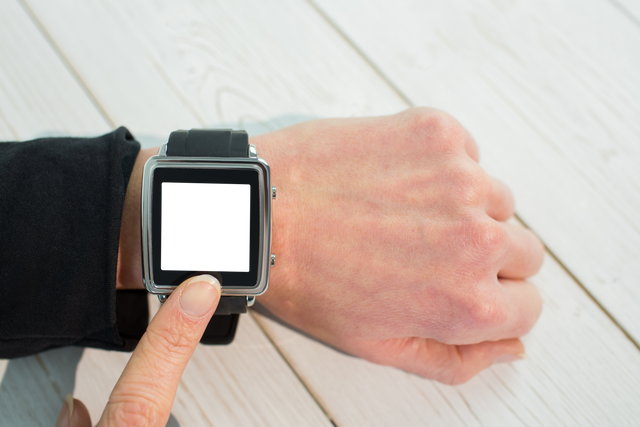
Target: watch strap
x,y
221,329
208,143
214,143
231,305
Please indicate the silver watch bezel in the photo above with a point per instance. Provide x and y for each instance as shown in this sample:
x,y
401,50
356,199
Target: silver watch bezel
x,y
252,162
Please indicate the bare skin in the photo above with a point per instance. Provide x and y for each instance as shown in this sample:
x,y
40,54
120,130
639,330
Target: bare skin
x,y
391,244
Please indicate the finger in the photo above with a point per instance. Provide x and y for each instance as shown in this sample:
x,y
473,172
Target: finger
x,y
524,254
519,309
471,148
147,387
73,414
500,204
449,364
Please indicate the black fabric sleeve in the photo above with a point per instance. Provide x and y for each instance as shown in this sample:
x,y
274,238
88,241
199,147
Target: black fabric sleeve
x,y
61,203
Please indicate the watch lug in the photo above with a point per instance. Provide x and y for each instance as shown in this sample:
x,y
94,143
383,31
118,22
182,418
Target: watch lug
x,y
253,152
162,151
250,301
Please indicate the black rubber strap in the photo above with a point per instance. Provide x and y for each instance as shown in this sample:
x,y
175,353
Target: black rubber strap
x,y
208,143
231,305
221,329
214,143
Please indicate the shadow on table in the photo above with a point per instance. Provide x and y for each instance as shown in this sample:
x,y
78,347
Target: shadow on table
x,y
33,388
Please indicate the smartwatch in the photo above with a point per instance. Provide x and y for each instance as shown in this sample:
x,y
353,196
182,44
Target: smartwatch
x,y
206,209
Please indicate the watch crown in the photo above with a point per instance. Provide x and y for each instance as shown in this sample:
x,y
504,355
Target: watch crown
x,y
273,260
273,192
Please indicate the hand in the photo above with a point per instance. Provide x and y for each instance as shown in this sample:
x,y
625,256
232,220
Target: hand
x,y
392,245
146,389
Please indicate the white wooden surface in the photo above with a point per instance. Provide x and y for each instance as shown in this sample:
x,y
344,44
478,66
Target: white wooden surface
x,y
526,78
38,94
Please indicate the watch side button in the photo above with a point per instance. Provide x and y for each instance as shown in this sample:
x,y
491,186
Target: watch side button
x,y
273,260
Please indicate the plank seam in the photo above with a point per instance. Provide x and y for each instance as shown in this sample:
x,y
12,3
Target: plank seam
x,y
586,291
54,46
632,17
362,55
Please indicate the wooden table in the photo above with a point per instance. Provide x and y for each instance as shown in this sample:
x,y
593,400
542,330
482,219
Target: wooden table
x,y
549,88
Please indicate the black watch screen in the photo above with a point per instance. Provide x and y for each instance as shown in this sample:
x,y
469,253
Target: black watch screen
x,y
205,221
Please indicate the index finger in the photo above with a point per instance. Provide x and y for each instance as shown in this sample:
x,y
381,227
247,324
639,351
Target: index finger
x,y
146,389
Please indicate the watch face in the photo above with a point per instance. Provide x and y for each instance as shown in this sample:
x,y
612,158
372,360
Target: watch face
x,y
205,226
206,221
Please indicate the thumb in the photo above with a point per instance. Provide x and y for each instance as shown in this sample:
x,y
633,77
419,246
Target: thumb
x,y
73,414
146,389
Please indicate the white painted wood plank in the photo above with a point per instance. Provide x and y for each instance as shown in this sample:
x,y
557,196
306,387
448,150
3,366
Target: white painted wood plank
x,y
183,64
580,371
630,8
39,96
265,53
551,90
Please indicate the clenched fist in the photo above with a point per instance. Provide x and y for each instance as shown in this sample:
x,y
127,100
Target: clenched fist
x,y
392,244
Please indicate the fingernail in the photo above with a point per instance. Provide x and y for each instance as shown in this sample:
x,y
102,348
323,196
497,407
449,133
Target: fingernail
x,y
64,418
200,295
507,358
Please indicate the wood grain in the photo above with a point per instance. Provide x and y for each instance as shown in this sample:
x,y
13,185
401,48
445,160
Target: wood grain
x,y
551,91
197,63
629,8
38,95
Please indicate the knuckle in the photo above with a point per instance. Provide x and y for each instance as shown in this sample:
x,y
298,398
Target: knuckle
x,y
490,238
168,342
483,310
440,129
138,412
453,370
471,186
457,376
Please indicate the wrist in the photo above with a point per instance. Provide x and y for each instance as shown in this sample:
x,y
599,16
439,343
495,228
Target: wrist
x,y
278,155
129,274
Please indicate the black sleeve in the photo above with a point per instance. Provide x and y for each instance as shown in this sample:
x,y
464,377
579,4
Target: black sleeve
x,y
61,203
